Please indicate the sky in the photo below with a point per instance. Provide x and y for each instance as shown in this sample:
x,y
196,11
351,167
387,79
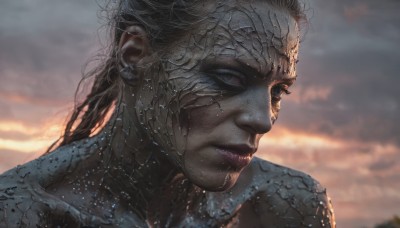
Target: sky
x,y
340,124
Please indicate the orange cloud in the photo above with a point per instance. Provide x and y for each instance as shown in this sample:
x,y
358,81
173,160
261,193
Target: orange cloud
x,y
356,173
22,99
38,138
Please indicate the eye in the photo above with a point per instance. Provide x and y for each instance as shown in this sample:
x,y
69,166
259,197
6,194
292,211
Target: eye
x,y
228,78
278,90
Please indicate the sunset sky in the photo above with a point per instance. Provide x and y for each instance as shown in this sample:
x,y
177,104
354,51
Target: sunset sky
x,y
341,124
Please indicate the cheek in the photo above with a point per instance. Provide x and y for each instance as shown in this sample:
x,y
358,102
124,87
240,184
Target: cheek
x,y
168,109
193,94
173,103
158,116
205,118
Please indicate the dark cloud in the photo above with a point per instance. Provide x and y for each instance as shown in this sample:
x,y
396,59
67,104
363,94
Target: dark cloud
x,y
382,165
359,61
43,45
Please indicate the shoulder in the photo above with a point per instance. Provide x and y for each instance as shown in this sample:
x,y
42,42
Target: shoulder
x,y
285,197
266,174
23,199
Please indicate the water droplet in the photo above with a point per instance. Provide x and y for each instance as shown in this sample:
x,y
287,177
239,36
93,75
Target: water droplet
x,y
10,191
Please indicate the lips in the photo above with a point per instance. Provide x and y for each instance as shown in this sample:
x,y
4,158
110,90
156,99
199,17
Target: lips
x,y
237,156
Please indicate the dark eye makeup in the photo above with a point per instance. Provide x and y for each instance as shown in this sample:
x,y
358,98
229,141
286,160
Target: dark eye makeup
x,y
235,80
228,78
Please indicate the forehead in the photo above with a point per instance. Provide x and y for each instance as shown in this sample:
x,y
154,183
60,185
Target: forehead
x,y
249,18
253,32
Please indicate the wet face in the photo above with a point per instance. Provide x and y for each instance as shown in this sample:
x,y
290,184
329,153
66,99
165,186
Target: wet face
x,y
217,90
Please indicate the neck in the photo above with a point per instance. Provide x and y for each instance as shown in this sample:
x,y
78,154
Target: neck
x,y
134,166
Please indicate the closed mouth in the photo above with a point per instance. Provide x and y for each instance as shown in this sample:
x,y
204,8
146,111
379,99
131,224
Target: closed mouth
x,y
238,156
240,149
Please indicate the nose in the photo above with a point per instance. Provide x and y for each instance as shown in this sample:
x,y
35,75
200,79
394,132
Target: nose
x,y
255,114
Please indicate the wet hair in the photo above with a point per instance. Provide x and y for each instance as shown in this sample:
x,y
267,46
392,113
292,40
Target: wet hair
x,y
163,20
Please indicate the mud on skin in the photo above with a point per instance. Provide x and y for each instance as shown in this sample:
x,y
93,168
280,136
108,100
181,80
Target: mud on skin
x,y
191,103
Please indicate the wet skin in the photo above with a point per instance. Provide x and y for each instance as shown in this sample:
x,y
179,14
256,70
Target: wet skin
x,y
231,75
179,150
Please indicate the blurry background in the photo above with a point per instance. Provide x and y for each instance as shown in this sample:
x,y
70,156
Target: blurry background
x,y
341,124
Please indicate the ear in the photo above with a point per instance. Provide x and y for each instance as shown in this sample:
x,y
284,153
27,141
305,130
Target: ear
x,y
133,48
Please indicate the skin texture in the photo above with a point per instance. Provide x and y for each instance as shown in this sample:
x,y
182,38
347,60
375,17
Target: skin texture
x,y
164,158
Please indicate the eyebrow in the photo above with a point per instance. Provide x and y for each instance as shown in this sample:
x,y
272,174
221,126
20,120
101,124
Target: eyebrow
x,y
247,68
264,75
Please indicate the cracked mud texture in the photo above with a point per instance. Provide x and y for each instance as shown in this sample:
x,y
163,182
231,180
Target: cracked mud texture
x,y
193,86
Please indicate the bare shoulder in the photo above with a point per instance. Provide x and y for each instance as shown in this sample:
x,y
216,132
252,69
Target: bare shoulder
x,y
284,197
24,201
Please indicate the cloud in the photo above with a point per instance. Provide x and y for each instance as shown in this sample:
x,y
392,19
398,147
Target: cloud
x,y
356,174
5,110
13,158
310,93
14,135
340,124
43,46
348,73
356,11
25,138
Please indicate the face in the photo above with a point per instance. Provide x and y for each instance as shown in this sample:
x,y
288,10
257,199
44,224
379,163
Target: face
x,y
218,89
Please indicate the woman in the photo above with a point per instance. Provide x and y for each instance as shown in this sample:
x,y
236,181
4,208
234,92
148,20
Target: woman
x,y
193,86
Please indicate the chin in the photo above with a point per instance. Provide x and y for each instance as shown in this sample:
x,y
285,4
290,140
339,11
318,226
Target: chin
x,y
214,182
